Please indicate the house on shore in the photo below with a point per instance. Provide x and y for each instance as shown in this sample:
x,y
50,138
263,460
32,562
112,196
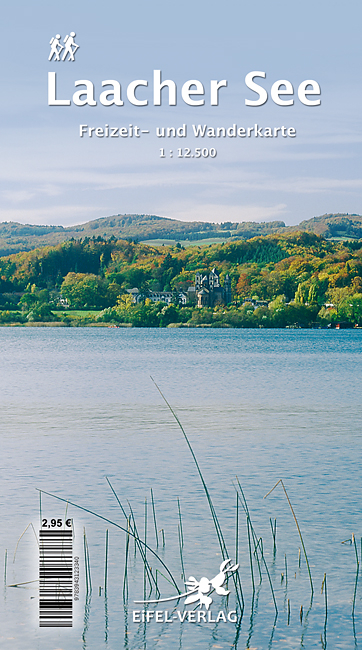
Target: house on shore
x,y
207,291
255,303
166,297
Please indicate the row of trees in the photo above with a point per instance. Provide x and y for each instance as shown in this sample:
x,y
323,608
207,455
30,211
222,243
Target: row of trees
x,y
300,271
149,314
277,314
126,262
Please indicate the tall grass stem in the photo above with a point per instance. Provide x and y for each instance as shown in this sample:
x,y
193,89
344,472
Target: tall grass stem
x,y
113,523
5,565
106,566
154,517
298,528
223,548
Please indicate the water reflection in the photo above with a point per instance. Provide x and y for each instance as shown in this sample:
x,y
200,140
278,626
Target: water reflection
x,y
257,404
86,621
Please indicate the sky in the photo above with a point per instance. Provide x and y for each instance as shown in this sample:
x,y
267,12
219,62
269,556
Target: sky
x,y
49,175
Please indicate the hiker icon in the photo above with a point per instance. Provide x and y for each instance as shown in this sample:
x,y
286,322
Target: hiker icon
x,y
55,48
70,47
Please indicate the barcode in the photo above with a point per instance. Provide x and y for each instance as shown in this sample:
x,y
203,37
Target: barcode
x,y
55,578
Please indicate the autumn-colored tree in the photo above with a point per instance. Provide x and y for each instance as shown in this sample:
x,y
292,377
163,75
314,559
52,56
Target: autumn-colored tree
x,y
243,286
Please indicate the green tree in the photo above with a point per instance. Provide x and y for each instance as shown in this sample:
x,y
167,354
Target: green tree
x,y
313,295
33,296
41,313
301,294
355,311
84,290
168,314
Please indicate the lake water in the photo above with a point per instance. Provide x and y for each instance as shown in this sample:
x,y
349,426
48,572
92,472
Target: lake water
x,y
78,405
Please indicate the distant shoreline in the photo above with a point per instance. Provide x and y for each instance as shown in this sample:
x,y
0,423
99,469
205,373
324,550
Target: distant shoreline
x,y
175,326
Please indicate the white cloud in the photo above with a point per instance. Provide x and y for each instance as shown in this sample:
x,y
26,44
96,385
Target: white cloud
x,y
219,212
25,195
64,215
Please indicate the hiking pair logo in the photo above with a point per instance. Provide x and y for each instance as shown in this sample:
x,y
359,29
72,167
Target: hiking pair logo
x,y
70,47
198,590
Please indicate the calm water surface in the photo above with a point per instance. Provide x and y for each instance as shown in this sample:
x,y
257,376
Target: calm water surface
x,y
78,405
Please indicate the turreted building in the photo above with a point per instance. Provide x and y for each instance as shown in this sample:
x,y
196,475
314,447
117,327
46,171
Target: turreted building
x,y
208,292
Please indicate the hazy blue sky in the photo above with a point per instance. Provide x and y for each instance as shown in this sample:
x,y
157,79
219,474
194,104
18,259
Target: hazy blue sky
x,y
49,175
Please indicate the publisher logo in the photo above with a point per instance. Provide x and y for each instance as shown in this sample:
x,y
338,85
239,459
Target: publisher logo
x,y
56,48
198,591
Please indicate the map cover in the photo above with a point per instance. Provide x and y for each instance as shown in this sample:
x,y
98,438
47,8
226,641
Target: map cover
x,y
181,313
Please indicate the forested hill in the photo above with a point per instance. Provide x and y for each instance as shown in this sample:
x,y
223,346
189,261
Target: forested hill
x,y
15,237
264,266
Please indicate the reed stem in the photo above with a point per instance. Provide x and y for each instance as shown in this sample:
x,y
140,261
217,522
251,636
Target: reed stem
x,y
246,510
22,535
181,554
324,588
154,517
180,518
250,556
357,572
274,533
125,577
142,549
299,531
237,529
106,565
132,534
223,548
145,559
87,565
257,543
213,513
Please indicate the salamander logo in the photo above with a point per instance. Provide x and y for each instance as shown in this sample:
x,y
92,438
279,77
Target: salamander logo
x,y
198,591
